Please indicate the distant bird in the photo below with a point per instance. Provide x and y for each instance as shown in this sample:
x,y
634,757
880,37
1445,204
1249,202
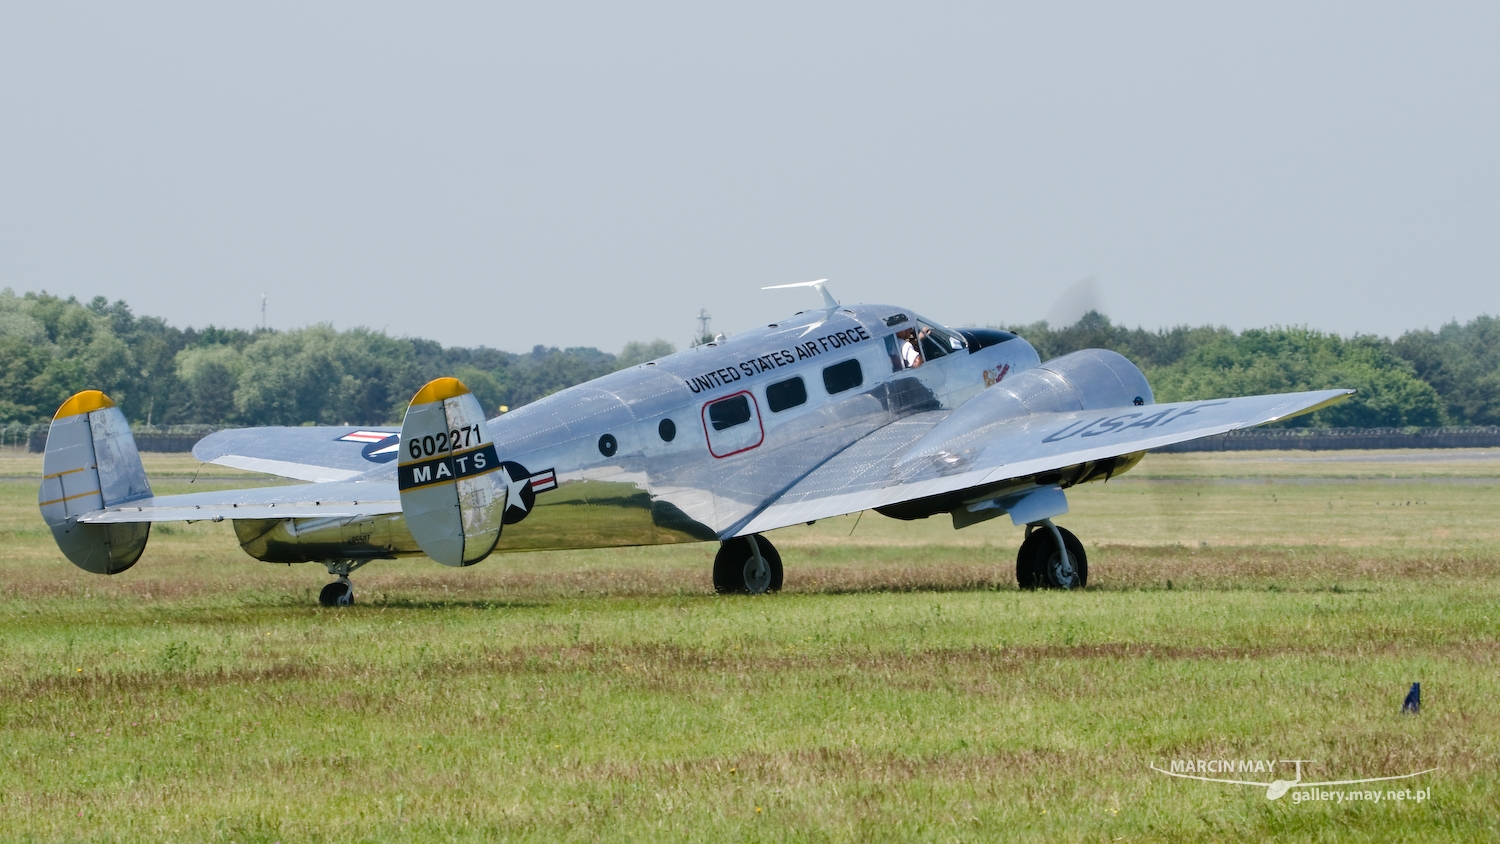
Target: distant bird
x,y
1413,702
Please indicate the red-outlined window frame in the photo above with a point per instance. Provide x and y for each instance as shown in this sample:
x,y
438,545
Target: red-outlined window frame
x,y
754,407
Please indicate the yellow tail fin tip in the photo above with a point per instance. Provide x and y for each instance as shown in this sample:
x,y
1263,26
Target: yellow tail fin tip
x,y
439,389
84,402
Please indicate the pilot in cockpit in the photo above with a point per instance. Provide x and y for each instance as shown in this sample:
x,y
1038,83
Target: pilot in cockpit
x,y
911,358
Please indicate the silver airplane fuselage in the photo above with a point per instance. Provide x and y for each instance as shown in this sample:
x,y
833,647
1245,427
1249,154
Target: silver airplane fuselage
x,y
690,447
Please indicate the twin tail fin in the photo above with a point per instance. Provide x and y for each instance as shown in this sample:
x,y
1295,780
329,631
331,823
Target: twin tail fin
x,y
91,463
452,485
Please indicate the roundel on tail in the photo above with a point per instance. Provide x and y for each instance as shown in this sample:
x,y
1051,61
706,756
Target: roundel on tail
x,y
522,497
453,486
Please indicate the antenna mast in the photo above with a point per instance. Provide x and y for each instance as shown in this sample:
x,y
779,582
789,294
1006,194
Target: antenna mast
x,y
703,317
262,312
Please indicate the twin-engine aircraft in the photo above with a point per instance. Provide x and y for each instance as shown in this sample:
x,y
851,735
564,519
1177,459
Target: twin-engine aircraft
x,y
830,412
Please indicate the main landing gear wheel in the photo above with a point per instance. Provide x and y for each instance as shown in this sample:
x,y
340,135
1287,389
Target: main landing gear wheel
x,y
339,593
739,570
1040,563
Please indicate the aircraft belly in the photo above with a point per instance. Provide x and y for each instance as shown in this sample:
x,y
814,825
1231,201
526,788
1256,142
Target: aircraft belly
x,y
577,514
584,514
315,540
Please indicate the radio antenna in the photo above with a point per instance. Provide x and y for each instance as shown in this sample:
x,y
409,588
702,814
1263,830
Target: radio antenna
x,y
703,320
821,285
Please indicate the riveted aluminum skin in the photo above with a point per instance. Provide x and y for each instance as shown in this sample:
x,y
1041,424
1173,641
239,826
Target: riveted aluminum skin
x,y
653,490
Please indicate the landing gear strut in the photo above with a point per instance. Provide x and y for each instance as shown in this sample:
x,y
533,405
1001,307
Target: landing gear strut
x,y
747,565
340,593
1051,558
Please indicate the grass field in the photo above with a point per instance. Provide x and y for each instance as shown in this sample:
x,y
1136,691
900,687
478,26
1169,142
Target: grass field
x,y
1241,606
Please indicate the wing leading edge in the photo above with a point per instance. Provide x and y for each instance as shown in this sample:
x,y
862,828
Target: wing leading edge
x,y
886,469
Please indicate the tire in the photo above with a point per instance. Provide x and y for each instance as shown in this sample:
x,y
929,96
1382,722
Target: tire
x,y
734,567
1038,565
339,593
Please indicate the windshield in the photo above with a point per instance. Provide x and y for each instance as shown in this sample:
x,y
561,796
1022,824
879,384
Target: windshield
x,y
917,341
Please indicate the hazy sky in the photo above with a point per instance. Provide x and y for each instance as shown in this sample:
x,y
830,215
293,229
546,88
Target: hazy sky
x,y
587,174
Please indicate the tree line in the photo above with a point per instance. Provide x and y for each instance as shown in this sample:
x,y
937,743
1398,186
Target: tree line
x,y
161,375
1421,379
52,347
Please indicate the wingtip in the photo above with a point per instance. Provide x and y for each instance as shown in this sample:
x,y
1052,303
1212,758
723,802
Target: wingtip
x,y
1333,397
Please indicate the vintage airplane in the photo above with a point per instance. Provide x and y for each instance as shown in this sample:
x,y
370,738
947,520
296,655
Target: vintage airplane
x,y
833,411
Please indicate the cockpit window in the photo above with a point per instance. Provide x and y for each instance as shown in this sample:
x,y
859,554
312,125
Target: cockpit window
x,y
911,347
932,347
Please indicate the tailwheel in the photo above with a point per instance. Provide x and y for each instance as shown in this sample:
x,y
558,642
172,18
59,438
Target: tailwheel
x,y
339,593
747,565
1041,563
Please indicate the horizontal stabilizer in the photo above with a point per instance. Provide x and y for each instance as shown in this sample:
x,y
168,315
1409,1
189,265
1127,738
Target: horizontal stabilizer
x,y
320,455
348,499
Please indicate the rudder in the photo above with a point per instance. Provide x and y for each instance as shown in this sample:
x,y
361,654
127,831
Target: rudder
x,y
91,463
452,484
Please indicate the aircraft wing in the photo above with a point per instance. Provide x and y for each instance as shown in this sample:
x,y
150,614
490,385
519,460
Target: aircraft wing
x,y
319,455
906,462
346,499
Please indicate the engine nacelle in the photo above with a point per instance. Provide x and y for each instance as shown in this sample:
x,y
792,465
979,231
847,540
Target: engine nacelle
x,y
1084,380
1091,379
1088,379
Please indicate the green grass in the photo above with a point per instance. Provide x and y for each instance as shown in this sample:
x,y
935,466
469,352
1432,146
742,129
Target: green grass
x,y
1241,606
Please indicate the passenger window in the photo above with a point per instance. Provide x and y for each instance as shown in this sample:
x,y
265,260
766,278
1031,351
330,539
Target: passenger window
x,y
842,376
729,413
785,394
728,424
